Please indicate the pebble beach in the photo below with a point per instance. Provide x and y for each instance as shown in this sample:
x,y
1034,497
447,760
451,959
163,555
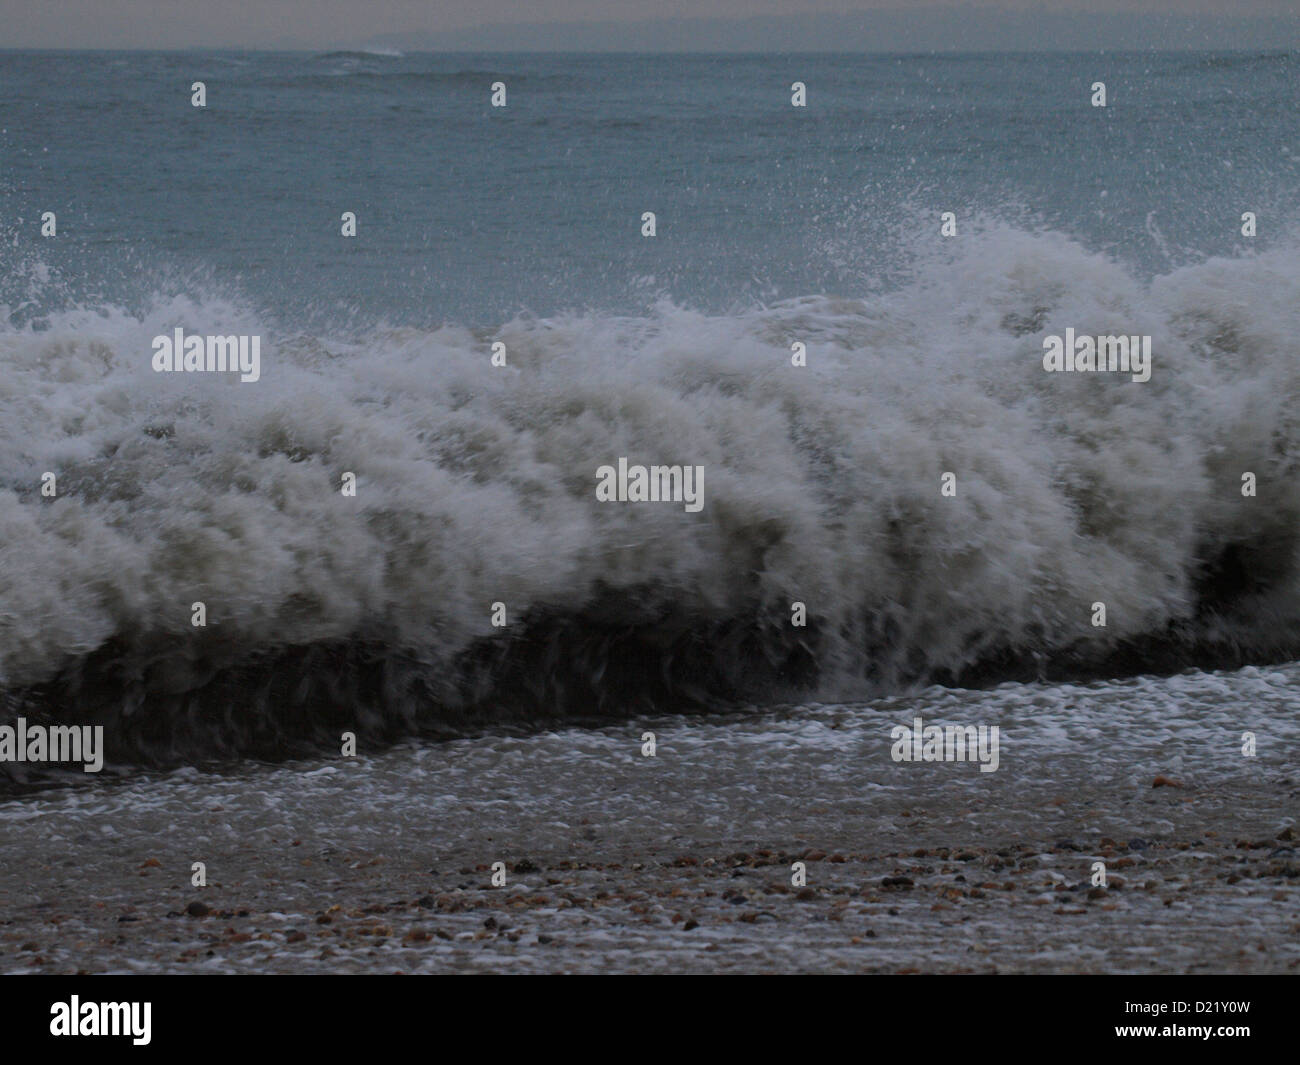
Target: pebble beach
x,y
682,862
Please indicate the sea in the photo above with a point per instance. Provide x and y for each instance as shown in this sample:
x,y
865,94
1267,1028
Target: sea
x,y
823,280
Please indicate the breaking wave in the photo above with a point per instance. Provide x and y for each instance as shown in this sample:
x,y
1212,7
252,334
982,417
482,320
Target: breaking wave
x,y
475,486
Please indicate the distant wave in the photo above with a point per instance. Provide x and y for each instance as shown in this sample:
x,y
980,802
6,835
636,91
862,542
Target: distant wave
x,y
1235,60
362,53
325,72
476,486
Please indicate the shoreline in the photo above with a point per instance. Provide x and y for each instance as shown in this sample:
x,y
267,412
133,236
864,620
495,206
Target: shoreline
x,y
618,862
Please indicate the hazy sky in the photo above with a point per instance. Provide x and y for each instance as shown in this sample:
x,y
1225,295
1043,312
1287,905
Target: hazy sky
x,y
324,23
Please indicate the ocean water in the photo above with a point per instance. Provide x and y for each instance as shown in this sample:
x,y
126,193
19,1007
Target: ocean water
x,y
475,483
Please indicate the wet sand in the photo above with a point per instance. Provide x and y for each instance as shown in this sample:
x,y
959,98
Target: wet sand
x,y
682,862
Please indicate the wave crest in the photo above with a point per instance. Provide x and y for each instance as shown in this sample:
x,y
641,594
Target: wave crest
x,y
476,486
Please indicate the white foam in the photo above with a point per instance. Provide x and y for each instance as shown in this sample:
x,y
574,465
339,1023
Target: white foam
x,y
476,484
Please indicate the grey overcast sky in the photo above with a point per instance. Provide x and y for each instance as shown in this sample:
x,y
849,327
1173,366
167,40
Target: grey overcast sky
x,y
339,23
